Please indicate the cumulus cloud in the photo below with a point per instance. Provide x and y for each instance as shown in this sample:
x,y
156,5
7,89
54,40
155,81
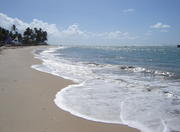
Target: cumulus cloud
x,y
73,30
71,34
50,28
7,23
128,10
160,25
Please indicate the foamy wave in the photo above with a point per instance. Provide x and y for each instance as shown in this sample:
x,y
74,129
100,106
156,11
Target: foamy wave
x,y
105,94
133,69
154,113
145,70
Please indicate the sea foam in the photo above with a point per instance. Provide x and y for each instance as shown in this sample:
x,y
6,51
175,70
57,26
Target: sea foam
x,y
104,95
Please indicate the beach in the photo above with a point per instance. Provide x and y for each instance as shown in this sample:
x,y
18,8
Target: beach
x,y
26,99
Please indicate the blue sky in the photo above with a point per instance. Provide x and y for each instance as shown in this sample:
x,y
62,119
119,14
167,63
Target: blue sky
x,y
116,22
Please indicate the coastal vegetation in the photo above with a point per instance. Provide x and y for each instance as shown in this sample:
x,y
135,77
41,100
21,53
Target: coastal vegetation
x,y
28,37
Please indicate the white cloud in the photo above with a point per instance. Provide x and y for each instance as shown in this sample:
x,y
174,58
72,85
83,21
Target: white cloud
x,y
72,34
128,10
72,30
160,25
7,22
50,28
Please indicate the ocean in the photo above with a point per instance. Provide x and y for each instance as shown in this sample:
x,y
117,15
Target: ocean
x,y
132,85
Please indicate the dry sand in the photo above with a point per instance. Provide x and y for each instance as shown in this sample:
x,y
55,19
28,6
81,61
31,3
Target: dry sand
x,y
26,99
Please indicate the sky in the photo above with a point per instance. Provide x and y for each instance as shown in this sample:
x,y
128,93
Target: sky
x,y
97,22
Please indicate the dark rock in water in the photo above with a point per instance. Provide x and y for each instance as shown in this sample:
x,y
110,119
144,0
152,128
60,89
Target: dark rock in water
x,y
123,67
166,92
127,67
149,90
178,46
131,67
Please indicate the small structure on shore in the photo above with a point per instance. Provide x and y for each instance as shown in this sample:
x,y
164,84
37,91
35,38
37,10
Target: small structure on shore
x,y
29,37
178,46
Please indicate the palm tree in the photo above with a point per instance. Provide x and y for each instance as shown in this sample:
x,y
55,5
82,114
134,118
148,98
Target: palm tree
x,y
20,37
13,29
44,36
27,34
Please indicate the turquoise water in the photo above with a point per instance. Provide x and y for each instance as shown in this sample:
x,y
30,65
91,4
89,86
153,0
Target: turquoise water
x,y
136,86
165,59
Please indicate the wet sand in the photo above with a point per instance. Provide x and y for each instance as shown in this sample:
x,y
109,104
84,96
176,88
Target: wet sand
x,y
26,99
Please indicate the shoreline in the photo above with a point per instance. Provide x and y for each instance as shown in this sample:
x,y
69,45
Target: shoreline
x,y
27,99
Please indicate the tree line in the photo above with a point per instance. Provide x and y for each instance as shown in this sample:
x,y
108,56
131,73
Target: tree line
x,y
29,37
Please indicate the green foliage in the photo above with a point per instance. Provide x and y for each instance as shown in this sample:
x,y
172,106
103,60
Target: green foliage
x,y
4,35
34,36
30,36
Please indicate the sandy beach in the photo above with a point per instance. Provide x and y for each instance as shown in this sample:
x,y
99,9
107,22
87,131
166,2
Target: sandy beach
x,y
26,99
